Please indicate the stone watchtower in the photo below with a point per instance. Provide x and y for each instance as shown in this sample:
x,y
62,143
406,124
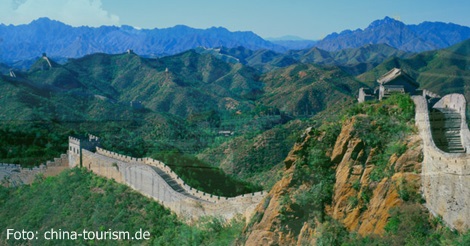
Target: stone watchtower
x,y
75,148
394,81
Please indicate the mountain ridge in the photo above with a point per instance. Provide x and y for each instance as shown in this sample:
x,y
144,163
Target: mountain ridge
x,y
353,60
24,42
412,38
63,40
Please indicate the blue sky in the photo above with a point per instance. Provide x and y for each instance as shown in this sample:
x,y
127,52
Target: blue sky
x,y
310,19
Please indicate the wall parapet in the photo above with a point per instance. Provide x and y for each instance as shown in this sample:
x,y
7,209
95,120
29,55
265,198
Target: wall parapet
x,y
6,165
451,163
190,203
165,168
430,94
458,103
74,140
15,175
445,176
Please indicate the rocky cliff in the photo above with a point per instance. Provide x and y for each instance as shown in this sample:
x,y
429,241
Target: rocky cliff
x,y
361,203
267,227
335,179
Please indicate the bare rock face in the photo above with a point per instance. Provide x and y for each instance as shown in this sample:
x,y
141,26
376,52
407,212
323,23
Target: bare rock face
x,y
306,236
266,227
266,231
298,147
341,145
360,203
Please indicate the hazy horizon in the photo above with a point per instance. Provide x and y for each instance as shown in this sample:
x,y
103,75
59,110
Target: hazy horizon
x,y
269,19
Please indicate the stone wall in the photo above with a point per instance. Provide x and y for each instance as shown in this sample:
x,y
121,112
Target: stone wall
x,y
77,145
189,203
15,175
457,102
74,152
445,176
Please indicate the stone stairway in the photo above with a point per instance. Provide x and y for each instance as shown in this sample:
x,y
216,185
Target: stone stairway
x,y
445,128
172,183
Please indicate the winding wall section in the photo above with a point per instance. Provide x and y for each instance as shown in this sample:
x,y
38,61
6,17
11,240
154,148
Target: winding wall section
x,y
15,175
445,176
154,179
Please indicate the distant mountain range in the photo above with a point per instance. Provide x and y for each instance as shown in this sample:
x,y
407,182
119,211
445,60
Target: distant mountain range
x,y
293,42
58,40
411,38
353,60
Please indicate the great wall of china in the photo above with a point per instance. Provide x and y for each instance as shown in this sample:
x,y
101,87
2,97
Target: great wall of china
x,y
445,174
14,175
150,177
154,179
445,170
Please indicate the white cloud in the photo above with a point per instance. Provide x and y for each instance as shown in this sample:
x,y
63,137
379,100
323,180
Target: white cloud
x,y
72,12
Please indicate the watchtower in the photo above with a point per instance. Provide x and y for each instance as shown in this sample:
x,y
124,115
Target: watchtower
x,y
76,145
396,81
12,73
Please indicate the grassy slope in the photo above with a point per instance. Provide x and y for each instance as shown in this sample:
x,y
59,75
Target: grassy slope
x,y
257,156
307,89
193,83
77,200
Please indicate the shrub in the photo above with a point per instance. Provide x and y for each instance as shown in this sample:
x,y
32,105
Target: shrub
x,y
353,201
356,185
331,232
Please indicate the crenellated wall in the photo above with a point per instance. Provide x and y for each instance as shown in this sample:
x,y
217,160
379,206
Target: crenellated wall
x,y
142,174
76,146
15,175
445,176
150,177
74,152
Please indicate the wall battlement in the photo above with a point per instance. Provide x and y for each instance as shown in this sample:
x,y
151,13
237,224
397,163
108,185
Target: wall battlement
x,y
445,176
162,166
15,175
6,165
74,140
156,180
